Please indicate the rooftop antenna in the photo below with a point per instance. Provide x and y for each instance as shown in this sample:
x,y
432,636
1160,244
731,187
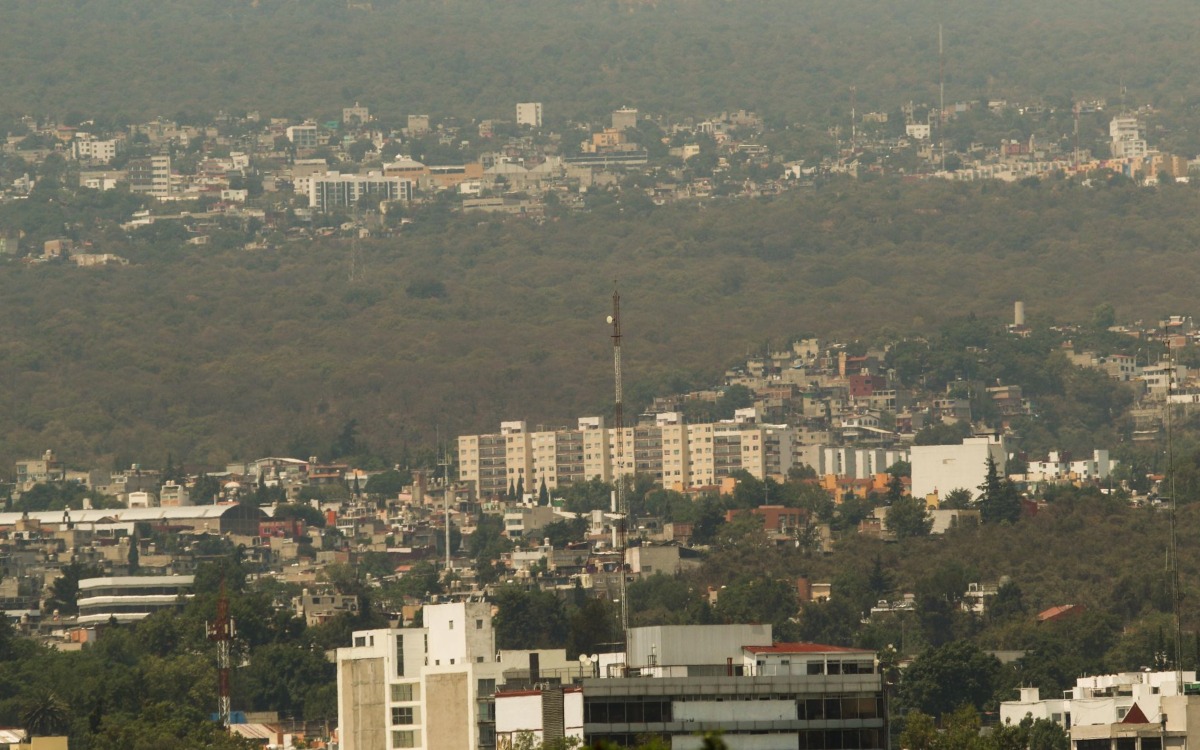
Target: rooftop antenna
x,y
221,631
619,419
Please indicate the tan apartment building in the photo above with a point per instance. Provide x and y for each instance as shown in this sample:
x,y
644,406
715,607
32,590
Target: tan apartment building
x,y
676,455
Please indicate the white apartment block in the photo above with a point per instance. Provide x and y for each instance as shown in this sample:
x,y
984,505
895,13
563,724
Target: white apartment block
x,y
1111,712
529,113
86,148
335,190
1058,467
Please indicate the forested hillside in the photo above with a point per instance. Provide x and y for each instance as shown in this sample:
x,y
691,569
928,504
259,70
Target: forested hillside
x,y
213,354
793,61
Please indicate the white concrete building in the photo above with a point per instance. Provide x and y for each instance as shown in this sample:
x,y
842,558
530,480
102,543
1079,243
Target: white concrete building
x,y
173,495
335,190
434,687
1058,467
86,148
920,131
130,598
530,712
306,135
529,113
1095,704
942,468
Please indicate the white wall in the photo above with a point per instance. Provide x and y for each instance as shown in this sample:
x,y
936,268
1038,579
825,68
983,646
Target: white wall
x,y
943,468
519,713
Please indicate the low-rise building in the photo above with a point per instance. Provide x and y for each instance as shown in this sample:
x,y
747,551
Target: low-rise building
x,y
130,598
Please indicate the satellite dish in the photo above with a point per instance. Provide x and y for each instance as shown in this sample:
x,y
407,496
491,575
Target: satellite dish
x,y
595,657
584,660
609,319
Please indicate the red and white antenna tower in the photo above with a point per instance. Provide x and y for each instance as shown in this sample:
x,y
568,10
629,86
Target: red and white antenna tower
x,y
221,632
619,418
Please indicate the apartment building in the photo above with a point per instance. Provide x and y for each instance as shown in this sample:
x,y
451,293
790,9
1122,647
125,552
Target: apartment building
x,y
675,454
335,190
151,176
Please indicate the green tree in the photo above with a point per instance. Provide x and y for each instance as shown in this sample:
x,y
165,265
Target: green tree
x,y
390,482
957,499
592,625
908,517
44,714
757,600
280,677
301,512
64,591
529,619
941,680
998,498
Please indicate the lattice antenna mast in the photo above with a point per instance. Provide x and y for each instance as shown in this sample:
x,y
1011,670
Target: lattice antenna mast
x,y
444,462
941,98
619,419
1176,588
222,631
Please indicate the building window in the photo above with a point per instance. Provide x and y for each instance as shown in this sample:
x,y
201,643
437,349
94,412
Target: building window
x,y
452,624
402,715
403,692
486,687
479,624
404,739
360,640
399,656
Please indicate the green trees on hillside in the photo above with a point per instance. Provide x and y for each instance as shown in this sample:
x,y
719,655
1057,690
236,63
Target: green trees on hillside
x,y
141,364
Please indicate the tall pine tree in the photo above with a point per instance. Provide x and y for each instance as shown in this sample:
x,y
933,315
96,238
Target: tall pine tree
x,y
998,498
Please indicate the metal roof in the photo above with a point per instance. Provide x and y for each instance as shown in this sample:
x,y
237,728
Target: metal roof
x,y
122,515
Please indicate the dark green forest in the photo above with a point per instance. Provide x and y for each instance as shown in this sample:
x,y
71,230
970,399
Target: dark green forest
x,y
791,61
212,354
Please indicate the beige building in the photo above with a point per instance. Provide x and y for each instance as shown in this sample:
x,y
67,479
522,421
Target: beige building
x,y
677,455
433,687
